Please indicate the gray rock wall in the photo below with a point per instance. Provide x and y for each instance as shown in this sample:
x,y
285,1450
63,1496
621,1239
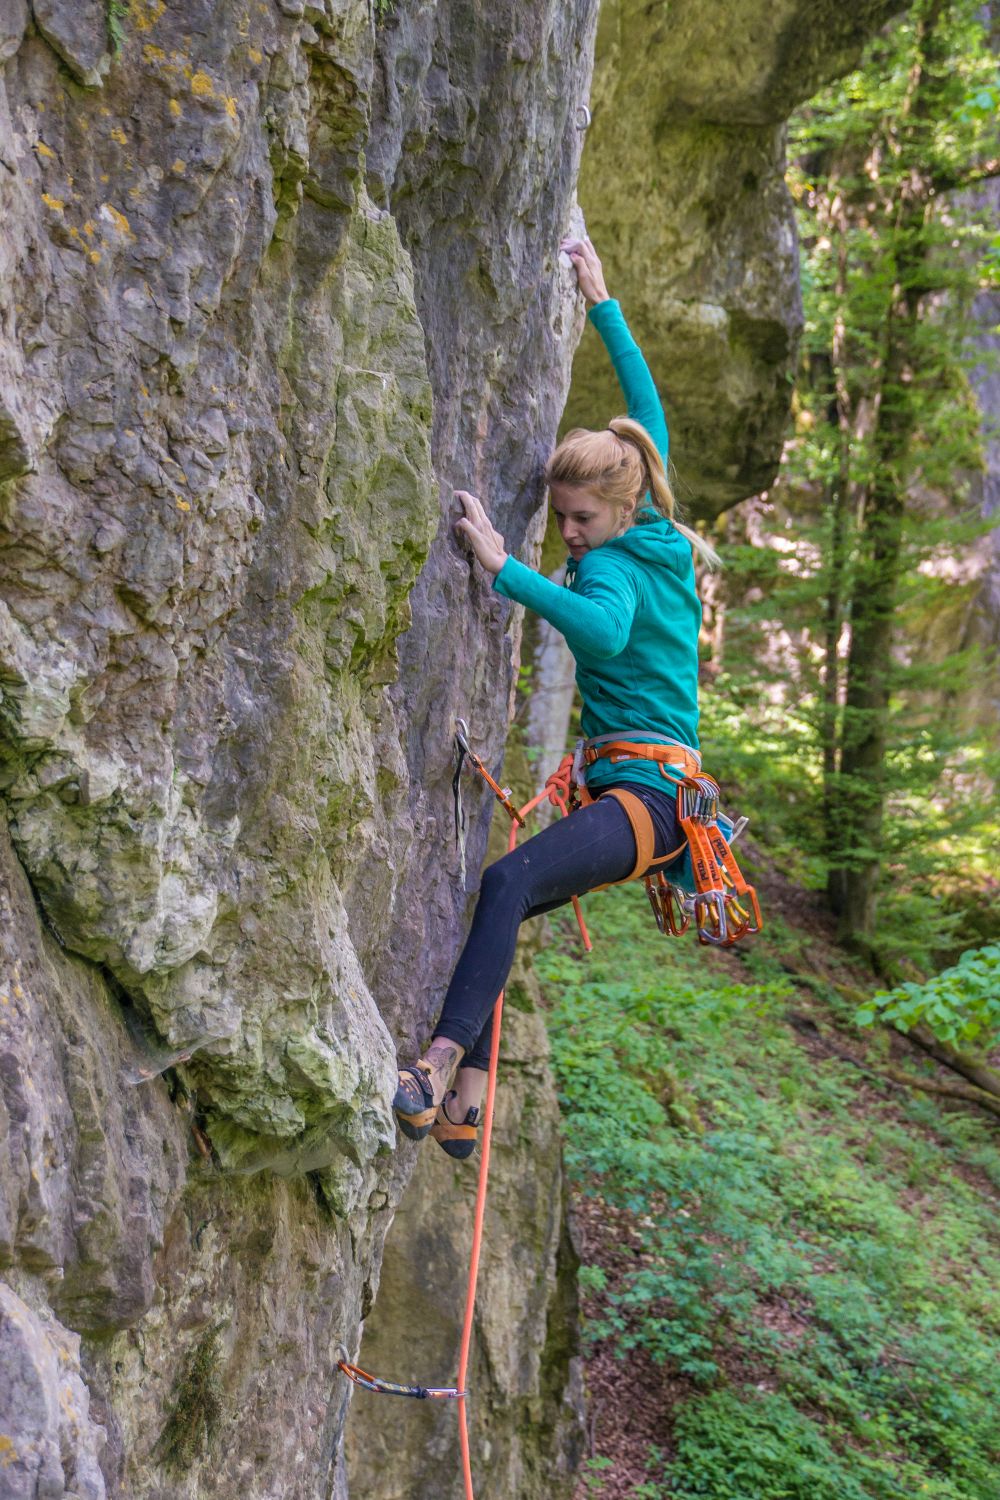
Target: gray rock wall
x,y
230,425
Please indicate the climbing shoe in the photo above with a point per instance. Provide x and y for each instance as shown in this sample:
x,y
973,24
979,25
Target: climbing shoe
x,y
413,1104
458,1140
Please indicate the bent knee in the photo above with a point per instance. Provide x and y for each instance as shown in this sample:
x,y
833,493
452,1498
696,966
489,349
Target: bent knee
x,y
503,881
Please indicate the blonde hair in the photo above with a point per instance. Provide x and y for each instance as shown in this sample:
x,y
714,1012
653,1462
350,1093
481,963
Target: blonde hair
x,y
620,464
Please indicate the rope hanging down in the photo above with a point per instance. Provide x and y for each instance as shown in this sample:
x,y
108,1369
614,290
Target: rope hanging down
x,y
724,908
556,791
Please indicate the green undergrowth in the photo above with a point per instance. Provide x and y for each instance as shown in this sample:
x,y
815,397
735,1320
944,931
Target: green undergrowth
x,y
817,1254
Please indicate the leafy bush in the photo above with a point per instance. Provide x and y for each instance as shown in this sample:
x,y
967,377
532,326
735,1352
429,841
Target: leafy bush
x,y
962,1004
740,1443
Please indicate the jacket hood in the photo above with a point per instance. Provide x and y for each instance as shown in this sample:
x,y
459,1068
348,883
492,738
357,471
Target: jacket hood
x,y
651,539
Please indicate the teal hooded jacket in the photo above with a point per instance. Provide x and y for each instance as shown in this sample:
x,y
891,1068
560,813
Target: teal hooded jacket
x,y
629,611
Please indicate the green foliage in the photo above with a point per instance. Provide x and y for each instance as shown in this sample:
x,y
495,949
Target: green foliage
x,y
841,1246
960,1005
197,1406
843,718
744,1443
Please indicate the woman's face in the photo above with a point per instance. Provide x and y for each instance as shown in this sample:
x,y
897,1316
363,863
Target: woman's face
x,y
585,521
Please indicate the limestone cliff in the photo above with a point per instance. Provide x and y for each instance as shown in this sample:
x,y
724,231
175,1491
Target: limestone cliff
x,y
230,427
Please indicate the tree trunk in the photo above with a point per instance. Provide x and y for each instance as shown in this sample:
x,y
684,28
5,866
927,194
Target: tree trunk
x,y
860,782
833,621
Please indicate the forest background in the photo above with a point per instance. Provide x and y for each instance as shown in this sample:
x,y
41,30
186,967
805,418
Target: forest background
x,y
788,1268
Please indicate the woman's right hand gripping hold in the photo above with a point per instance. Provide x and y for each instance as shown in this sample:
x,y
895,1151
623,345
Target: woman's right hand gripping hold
x,y
587,264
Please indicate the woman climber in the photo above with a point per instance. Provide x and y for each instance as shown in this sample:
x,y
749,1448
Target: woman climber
x,y
631,616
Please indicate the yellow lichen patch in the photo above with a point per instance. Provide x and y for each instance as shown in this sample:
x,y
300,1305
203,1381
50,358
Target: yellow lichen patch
x,y
144,391
201,86
183,504
119,135
231,108
105,177
136,192
8,1453
153,54
94,256
145,13
175,109
44,150
105,110
180,167
256,55
88,229
117,218
56,204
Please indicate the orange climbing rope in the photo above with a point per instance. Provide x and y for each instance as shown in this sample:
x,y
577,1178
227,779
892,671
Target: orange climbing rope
x,y
557,791
720,916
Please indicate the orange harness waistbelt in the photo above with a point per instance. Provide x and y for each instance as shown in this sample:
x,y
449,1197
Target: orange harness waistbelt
x,y
675,761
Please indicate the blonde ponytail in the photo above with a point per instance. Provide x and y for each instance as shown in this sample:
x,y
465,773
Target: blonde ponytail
x,y
620,465
658,485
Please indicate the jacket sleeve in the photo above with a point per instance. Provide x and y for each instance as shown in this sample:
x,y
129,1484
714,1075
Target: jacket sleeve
x,y
595,617
638,387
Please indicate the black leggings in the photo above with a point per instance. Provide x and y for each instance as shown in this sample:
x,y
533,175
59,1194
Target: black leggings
x,y
591,847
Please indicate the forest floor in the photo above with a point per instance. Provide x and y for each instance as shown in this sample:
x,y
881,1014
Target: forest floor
x,y
788,1259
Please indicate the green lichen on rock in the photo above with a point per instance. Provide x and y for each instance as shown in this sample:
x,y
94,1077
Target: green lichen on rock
x,y
196,1409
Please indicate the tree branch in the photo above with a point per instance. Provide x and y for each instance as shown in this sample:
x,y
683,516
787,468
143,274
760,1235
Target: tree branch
x,y
963,1091
950,182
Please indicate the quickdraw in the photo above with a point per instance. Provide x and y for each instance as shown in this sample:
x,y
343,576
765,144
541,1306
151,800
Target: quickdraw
x,y
725,906
388,1388
463,753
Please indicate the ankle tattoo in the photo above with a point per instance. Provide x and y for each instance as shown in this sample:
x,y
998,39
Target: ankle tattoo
x,y
442,1058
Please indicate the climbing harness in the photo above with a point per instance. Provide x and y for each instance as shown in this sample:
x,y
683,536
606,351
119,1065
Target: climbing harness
x,y
706,885
714,893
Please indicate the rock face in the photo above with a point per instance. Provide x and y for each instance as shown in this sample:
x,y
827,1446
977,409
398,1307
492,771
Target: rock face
x,y
229,426
683,189
273,280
